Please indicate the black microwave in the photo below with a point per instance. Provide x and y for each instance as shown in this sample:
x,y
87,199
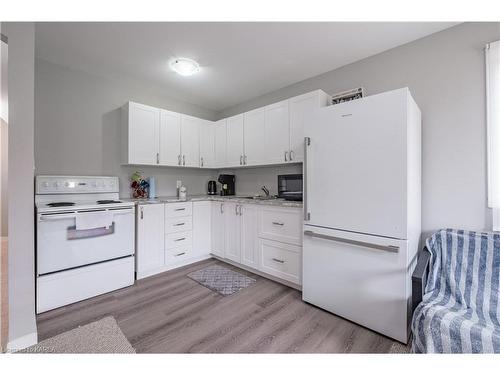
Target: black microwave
x,y
290,187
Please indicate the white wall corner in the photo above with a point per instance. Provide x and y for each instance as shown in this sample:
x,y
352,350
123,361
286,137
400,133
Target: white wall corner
x,y
22,342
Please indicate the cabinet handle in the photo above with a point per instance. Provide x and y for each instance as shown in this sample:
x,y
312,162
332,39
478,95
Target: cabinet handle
x,y
202,161
178,224
278,223
180,209
180,239
286,156
236,210
142,213
279,260
291,155
245,160
222,208
178,255
240,211
179,159
241,159
157,158
183,159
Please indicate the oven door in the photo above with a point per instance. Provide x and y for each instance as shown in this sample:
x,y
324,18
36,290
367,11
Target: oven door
x,y
60,246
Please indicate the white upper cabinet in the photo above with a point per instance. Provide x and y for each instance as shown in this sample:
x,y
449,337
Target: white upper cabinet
x,y
234,141
170,135
277,135
273,134
255,129
140,127
207,143
300,109
190,141
220,143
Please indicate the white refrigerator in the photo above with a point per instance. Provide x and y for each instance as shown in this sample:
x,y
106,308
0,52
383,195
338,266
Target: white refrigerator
x,y
362,183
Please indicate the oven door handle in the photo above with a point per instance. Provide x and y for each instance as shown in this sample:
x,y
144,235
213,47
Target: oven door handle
x,y
73,214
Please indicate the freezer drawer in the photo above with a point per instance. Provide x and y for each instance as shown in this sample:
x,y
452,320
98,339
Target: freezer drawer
x,y
361,278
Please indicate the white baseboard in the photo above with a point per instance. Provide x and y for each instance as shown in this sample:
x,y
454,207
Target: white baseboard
x,y
22,342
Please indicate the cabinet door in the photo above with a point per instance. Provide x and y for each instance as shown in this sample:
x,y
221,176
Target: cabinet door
x,y
207,143
190,141
254,130
301,108
143,127
218,229
202,213
170,138
234,141
220,143
232,228
150,238
249,245
277,137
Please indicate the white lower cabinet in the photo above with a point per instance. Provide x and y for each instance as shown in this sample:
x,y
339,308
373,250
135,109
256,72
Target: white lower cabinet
x,y
264,238
218,229
202,229
281,260
232,246
150,239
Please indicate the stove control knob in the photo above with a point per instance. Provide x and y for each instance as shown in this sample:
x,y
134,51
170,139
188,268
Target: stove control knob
x,y
66,184
46,184
57,184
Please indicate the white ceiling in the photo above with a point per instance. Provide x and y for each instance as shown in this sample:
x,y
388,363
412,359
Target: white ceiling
x,y
239,61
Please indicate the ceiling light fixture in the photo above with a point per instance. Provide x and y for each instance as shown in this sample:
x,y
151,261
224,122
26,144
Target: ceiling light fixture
x,y
184,66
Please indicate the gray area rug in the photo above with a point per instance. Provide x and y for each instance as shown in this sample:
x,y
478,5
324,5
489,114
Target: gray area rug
x,y
221,280
398,348
102,336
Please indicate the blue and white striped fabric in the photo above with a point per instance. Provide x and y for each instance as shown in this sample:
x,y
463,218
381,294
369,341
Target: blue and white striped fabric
x,y
460,309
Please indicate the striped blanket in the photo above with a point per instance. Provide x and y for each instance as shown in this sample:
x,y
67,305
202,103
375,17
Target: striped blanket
x,y
460,309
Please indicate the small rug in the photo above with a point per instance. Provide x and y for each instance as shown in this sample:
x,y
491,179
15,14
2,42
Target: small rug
x,y
398,348
102,336
221,280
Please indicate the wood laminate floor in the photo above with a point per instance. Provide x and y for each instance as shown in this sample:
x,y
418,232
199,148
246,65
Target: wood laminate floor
x,y
170,313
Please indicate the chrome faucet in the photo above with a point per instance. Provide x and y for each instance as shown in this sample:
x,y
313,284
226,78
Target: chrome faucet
x,y
265,190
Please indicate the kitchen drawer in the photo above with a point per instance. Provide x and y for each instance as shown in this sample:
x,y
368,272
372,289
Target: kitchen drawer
x,y
178,224
281,260
177,255
178,209
281,224
174,240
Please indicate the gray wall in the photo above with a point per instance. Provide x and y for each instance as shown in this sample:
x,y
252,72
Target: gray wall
x,y
446,75
21,126
77,128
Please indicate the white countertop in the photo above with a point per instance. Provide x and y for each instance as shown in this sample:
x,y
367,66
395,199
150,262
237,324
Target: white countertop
x,y
217,198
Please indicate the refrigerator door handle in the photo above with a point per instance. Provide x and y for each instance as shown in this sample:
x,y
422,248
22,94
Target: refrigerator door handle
x,y
307,215
390,248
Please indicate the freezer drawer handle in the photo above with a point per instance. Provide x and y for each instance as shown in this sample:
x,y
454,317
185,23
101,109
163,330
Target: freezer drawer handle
x,y
390,248
279,260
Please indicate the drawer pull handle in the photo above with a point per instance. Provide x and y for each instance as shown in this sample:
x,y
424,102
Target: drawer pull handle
x,y
278,223
178,224
178,255
180,209
279,260
180,239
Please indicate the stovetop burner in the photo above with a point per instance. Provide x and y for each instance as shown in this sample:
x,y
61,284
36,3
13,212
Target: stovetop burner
x,y
108,201
60,204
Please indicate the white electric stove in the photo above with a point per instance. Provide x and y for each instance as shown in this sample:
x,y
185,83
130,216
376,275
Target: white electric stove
x,y
85,239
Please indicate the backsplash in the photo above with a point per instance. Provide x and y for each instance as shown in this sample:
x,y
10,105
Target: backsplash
x,y
250,180
195,180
